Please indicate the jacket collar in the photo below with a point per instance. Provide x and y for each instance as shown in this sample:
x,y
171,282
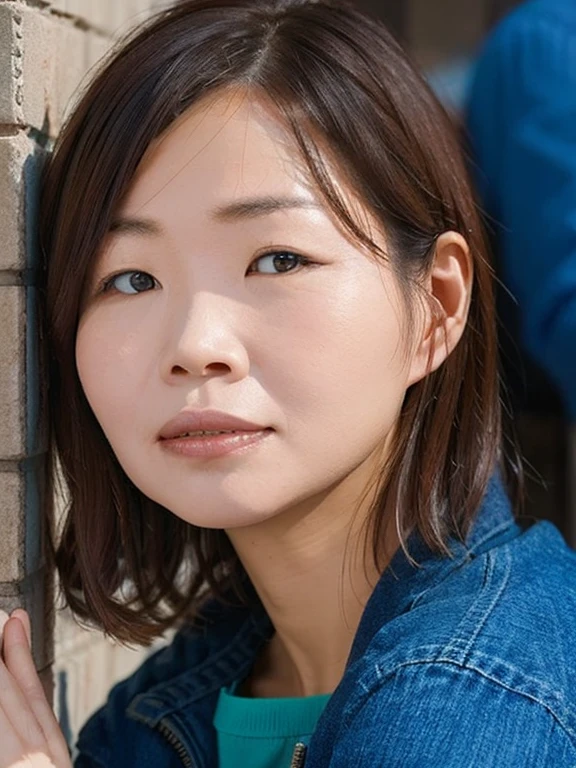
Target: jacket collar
x,y
232,639
403,580
236,635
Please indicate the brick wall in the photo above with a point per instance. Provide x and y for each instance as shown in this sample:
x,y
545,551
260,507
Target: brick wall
x,y
46,50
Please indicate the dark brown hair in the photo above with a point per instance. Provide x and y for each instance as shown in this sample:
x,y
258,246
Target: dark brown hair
x,y
337,77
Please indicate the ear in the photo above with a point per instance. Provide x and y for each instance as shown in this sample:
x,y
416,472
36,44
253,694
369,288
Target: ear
x,y
445,311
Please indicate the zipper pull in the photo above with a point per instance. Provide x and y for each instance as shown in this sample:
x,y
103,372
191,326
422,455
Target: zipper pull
x,y
298,755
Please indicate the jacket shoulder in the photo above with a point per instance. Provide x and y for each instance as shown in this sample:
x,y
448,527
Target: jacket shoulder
x,y
478,670
423,715
508,615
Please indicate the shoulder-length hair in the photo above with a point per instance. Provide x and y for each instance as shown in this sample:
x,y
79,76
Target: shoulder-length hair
x,y
335,76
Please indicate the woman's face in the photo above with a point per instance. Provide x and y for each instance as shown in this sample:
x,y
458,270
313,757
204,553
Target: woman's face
x,y
231,287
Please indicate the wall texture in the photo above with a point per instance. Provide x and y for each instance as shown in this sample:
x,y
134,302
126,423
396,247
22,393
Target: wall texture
x,y
46,51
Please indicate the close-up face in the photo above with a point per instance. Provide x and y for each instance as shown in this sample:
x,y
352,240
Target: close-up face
x,y
226,284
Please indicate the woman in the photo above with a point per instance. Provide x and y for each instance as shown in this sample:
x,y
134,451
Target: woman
x,y
275,402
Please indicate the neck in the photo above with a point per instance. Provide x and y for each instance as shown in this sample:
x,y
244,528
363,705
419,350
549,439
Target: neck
x,y
309,570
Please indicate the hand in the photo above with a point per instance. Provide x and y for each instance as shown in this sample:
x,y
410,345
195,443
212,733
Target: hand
x,y
30,736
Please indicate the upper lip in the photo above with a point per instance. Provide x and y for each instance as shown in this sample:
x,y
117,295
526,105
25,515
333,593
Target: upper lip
x,y
205,421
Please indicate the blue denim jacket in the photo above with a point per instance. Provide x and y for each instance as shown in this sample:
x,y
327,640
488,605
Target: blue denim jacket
x,y
465,662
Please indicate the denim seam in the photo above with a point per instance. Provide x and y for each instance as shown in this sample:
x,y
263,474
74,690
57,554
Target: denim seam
x,y
471,625
465,557
479,662
552,706
491,534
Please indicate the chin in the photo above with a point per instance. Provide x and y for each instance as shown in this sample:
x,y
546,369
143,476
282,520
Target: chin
x,y
228,520
218,513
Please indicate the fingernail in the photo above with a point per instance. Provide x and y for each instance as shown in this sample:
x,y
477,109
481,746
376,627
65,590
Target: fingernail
x,y
3,619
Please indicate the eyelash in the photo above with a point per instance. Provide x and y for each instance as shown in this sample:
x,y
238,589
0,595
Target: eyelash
x,y
107,285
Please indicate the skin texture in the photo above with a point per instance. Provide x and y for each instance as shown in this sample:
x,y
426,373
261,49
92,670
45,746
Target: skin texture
x,y
320,354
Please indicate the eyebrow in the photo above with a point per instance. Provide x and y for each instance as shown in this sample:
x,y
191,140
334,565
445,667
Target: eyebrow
x,y
132,226
250,208
260,206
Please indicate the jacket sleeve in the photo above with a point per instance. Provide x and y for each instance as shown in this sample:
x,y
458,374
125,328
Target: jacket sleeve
x,y
92,747
82,761
521,117
431,714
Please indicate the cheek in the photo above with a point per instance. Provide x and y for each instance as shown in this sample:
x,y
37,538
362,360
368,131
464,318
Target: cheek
x,y
110,360
339,357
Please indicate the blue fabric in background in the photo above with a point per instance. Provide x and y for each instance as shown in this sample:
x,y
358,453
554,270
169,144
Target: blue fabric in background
x,y
521,119
450,82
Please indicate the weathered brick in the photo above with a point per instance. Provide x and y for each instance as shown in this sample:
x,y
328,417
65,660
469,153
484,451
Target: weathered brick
x,y
34,594
68,67
12,370
43,58
21,525
13,152
7,95
12,540
94,13
106,16
59,5
26,44
20,164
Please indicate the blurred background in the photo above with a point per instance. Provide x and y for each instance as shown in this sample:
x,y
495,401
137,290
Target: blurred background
x,y
46,51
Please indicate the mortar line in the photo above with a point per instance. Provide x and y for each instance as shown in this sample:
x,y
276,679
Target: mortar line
x,y
28,464
27,277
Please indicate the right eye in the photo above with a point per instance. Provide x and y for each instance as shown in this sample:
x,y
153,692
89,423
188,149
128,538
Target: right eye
x,y
130,283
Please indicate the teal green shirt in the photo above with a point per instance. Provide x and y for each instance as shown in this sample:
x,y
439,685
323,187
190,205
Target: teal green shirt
x,y
262,733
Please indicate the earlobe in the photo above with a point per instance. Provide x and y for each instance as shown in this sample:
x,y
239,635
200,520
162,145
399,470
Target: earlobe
x,y
448,287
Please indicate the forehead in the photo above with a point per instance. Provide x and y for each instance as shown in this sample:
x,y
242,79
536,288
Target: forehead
x,y
226,145
230,147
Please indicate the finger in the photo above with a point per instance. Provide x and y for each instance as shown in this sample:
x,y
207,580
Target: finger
x,y
21,615
12,748
19,663
19,722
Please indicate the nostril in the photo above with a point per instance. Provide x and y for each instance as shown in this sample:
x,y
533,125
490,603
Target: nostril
x,y
178,370
218,367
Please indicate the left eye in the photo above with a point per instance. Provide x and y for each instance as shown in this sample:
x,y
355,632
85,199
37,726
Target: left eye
x,y
130,283
278,262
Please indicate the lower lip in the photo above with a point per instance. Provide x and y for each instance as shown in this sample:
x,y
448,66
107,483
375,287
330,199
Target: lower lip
x,y
213,446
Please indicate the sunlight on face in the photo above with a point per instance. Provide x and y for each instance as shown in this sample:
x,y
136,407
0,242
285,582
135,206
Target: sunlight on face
x,y
226,284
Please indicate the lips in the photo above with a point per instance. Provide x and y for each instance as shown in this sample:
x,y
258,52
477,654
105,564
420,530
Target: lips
x,y
195,422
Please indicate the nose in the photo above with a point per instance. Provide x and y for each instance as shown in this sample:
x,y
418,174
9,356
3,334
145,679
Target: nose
x,y
205,341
